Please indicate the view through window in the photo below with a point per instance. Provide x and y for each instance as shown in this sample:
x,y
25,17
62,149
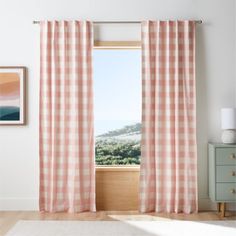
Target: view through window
x,y
117,106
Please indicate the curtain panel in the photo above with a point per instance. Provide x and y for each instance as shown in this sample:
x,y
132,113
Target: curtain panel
x,y
67,168
168,181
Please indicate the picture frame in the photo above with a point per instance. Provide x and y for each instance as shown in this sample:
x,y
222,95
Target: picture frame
x,y
12,95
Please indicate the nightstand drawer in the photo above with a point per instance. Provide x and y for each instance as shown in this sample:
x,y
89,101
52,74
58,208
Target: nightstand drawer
x,y
225,173
226,192
225,156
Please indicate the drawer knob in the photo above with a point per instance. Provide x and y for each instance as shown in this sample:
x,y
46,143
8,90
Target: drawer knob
x,y
232,156
232,190
233,173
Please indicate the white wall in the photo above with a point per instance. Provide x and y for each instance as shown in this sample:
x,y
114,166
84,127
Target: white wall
x,y
19,45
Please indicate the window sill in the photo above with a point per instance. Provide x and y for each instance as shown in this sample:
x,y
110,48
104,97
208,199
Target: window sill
x,y
135,168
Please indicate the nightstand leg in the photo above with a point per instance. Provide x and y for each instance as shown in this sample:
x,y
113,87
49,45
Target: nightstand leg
x,y
218,206
222,209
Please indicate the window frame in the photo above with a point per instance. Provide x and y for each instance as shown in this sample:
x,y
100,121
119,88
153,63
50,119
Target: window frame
x,y
117,45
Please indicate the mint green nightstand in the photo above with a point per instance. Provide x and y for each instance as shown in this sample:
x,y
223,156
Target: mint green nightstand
x,y
222,174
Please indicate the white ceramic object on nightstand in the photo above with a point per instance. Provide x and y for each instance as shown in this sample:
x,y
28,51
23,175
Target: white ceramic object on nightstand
x,y
228,125
228,136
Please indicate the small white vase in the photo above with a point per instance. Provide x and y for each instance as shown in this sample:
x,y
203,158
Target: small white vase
x,y
228,136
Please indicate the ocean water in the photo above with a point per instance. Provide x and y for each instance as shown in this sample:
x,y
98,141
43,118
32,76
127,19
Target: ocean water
x,y
103,126
9,113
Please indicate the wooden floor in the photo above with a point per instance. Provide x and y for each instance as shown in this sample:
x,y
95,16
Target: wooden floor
x,y
9,218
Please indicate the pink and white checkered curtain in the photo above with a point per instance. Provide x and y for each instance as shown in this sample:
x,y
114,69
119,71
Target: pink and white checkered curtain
x,y
67,168
168,181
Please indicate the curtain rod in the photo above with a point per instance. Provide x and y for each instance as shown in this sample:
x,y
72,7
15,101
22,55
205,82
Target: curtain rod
x,y
118,22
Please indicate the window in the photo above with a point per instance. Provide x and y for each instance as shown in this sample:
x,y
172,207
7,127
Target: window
x,y
117,106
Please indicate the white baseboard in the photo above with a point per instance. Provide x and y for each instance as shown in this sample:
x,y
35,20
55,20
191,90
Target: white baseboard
x,y
31,204
231,207
205,204
18,204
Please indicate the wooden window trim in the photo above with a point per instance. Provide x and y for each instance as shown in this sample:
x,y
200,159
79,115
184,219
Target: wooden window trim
x,y
117,45
134,168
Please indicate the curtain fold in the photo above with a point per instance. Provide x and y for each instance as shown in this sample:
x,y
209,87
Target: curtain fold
x,y
67,165
168,181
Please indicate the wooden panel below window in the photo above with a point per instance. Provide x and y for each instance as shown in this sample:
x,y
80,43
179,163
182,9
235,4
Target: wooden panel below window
x,y
117,188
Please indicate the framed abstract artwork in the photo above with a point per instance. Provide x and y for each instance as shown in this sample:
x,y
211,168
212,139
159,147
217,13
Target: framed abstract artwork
x,y
12,95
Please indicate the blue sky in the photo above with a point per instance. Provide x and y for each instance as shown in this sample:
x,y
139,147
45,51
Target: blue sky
x,y
117,88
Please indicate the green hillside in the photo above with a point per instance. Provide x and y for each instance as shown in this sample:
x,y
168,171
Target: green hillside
x,y
110,150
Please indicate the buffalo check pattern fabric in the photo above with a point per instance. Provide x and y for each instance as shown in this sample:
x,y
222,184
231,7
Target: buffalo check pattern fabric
x,y
168,181
67,168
